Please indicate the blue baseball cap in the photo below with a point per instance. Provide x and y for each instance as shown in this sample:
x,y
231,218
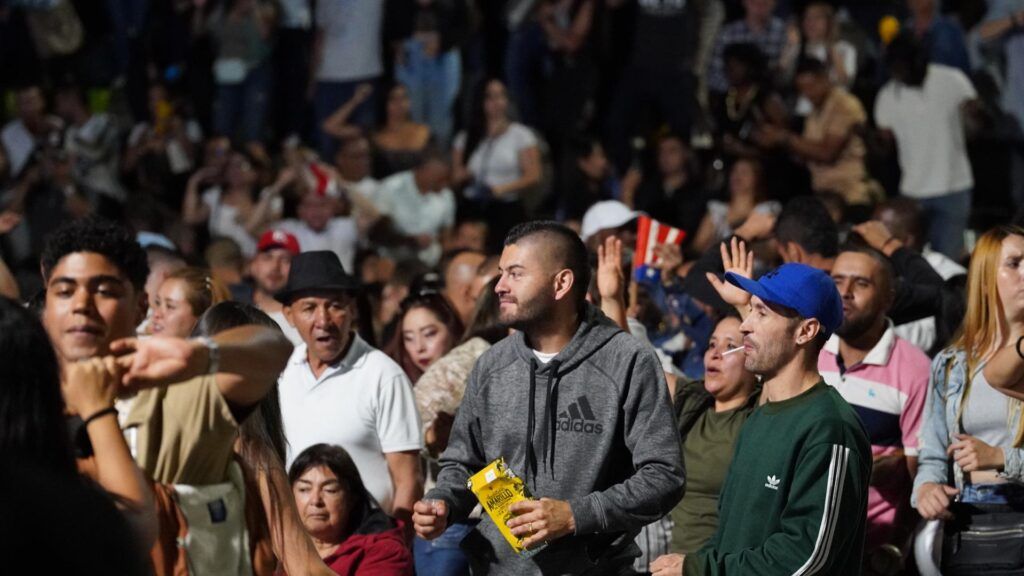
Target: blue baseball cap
x,y
809,291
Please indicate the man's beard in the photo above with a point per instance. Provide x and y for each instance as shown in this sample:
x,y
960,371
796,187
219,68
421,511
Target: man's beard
x,y
270,288
527,315
855,327
767,358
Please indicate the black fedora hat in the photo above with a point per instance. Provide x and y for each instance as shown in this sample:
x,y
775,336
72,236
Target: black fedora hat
x,y
317,271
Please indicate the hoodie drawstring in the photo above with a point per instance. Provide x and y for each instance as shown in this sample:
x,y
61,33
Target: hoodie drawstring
x,y
531,456
547,424
550,417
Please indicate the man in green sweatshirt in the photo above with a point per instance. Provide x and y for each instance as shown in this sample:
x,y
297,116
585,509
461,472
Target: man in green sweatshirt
x,y
795,499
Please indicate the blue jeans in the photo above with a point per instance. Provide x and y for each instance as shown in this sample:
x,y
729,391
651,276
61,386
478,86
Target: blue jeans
x,y
242,107
442,556
328,98
947,220
1010,494
433,84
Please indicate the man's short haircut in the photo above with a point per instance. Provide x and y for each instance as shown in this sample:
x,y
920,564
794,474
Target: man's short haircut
x,y
811,66
563,245
112,241
224,253
857,245
806,221
909,221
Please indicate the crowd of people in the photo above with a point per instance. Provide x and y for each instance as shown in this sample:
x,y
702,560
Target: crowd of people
x,y
278,276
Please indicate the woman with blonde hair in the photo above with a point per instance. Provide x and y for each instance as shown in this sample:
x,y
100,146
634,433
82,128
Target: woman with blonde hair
x,y
971,457
182,298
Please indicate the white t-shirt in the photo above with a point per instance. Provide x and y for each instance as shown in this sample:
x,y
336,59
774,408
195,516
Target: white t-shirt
x,y
496,160
415,213
929,133
352,39
544,357
19,144
339,236
365,404
224,220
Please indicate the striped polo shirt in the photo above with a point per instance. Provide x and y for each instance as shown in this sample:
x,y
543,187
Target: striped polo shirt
x,y
888,390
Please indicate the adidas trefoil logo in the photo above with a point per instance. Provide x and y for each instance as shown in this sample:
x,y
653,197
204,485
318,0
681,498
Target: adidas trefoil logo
x,y
773,482
579,417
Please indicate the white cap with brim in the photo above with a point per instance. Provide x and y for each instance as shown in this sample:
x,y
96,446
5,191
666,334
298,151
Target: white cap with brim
x,y
606,214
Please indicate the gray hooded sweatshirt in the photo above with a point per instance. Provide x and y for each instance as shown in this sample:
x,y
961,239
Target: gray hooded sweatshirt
x,y
594,426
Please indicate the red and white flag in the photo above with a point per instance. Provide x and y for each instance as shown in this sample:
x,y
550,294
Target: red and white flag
x,y
650,233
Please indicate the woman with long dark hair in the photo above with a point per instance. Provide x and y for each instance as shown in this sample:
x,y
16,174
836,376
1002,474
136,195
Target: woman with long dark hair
x,y
496,159
47,500
428,328
398,141
275,529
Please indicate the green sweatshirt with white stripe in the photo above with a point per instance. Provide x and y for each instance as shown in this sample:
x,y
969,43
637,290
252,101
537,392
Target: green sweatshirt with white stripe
x,y
795,499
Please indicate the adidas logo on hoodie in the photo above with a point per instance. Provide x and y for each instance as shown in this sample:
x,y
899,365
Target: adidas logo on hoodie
x,y
579,417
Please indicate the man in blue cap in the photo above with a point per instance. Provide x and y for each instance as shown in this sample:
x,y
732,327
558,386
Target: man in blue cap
x,y
795,499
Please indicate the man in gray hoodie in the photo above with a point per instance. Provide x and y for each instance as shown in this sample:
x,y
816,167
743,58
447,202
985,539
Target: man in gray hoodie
x,y
577,407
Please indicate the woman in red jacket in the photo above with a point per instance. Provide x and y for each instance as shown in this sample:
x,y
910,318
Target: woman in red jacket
x,y
350,531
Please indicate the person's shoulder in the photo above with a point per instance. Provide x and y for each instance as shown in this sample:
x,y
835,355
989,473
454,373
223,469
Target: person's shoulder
x,y
945,75
522,134
831,419
374,361
501,354
848,100
910,356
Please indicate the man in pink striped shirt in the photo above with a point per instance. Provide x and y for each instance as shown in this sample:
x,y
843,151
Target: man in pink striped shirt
x,y
885,379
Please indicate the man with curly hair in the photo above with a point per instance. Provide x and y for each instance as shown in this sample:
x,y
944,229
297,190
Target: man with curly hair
x,y
187,397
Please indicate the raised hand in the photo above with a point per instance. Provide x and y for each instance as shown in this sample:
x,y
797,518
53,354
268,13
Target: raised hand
x,y
610,280
739,261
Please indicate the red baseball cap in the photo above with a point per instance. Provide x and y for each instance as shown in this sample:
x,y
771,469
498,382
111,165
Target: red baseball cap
x,y
279,239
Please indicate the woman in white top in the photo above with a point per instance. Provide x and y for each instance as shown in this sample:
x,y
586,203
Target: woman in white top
x,y
233,210
747,195
495,159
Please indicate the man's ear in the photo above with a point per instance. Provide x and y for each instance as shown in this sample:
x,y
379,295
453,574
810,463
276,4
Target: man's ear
x,y
287,311
564,282
792,252
807,331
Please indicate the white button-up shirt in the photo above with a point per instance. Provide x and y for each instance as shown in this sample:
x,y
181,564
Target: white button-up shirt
x,y
364,403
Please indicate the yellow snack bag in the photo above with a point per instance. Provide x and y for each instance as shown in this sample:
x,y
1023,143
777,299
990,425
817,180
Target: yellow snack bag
x,y
497,488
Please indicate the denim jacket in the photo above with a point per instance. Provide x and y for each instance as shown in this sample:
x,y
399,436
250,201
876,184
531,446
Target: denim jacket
x,y
940,423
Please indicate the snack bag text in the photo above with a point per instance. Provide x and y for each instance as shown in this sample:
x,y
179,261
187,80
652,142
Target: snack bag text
x,y
497,488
